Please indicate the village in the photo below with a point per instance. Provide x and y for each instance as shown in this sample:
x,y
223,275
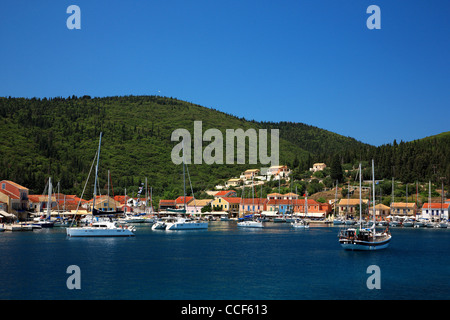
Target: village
x,y
16,204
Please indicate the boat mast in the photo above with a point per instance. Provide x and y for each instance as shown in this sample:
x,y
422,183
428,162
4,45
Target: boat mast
x,y
49,200
96,173
429,200
108,190
373,192
360,201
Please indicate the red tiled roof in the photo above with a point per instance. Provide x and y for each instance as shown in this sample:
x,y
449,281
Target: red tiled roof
x,y
15,184
232,199
435,205
180,200
9,194
294,202
167,202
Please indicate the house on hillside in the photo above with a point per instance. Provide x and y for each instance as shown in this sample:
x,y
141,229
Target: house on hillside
x,y
318,167
278,172
234,182
225,193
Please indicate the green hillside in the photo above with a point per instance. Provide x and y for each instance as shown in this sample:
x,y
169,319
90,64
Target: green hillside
x,y
58,137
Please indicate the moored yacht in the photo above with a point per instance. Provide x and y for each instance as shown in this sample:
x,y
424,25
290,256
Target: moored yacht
x,y
300,224
101,228
186,224
250,224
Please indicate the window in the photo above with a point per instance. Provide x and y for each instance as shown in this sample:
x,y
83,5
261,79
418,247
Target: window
x,y
3,186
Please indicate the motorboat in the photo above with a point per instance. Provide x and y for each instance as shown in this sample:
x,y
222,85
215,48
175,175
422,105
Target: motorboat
x,y
186,224
300,224
102,229
250,224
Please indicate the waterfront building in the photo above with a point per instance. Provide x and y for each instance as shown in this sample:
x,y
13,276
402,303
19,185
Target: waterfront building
x,y
166,204
195,206
253,205
435,211
350,206
228,204
15,197
403,208
181,201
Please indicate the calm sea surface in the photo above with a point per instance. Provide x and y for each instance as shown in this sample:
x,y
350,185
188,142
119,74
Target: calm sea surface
x,y
223,262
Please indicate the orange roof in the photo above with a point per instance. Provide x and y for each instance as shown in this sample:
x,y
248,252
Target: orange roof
x,y
15,184
180,200
232,199
9,194
249,201
435,205
294,202
224,193
167,202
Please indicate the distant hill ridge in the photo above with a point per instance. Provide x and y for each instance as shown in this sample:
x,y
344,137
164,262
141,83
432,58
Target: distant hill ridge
x,y
58,137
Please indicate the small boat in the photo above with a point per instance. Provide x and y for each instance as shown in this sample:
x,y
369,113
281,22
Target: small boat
x,y
395,223
250,224
420,223
443,224
409,223
186,224
300,224
338,222
431,224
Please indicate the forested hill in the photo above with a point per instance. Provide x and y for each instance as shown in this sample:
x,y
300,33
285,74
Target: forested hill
x,y
58,137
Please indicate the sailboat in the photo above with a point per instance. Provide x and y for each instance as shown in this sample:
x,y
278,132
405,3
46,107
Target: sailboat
x,y
46,222
100,228
302,223
248,223
364,238
183,223
337,220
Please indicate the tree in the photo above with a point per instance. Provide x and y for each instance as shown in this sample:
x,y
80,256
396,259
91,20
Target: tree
x,y
336,169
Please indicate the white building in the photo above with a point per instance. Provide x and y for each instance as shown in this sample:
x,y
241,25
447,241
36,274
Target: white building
x,y
435,211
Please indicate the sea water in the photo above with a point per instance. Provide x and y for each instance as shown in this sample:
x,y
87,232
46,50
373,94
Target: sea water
x,y
223,262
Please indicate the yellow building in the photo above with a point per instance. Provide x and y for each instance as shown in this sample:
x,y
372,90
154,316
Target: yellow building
x,y
228,204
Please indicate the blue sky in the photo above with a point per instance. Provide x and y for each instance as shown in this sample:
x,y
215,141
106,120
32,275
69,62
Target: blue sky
x,y
310,61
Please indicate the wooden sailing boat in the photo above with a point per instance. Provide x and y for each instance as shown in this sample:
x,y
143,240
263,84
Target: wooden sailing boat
x,y
365,238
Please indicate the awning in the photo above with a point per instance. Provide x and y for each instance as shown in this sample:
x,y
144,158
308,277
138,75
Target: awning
x,y
6,214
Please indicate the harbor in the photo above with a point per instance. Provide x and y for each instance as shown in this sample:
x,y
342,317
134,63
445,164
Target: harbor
x,y
278,262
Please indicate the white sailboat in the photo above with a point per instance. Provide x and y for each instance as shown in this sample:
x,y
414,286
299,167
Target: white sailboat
x,y
183,223
248,223
46,222
100,228
365,238
302,223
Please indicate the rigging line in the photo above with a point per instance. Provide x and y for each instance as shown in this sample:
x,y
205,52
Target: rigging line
x,y
87,179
